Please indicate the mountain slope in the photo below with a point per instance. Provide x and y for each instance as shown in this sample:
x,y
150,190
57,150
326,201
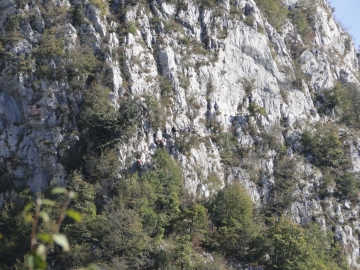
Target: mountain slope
x,y
263,93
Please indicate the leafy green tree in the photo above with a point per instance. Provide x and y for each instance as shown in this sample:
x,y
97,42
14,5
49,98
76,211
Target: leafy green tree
x,y
286,177
85,202
275,11
325,147
292,247
167,180
15,230
287,244
233,214
102,123
348,185
50,46
344,100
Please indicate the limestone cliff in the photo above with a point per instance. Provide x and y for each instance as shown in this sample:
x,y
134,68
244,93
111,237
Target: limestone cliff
x,y
213,67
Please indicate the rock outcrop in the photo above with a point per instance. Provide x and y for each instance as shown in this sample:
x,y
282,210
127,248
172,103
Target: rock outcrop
x,y
229,70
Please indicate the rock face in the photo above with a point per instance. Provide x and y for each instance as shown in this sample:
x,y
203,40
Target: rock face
x,y
229,69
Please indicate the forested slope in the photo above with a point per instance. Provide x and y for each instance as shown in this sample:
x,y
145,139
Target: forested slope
x,y
197,134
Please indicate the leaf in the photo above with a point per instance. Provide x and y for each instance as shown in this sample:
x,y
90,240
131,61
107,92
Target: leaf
x,y
31,262
1,236
45,237
75,215
44,216
48,202
29,218
59,190
62,241
28,207
41,252
37,259
72,195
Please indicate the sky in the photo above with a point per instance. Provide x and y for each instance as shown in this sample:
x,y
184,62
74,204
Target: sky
x,y
347,12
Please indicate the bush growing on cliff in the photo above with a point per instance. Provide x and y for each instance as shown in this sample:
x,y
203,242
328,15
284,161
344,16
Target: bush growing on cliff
x,y
80,61
104,125
275,11
233,214
345,101
324,146
302,16
50,46
293,247
102,5
286,180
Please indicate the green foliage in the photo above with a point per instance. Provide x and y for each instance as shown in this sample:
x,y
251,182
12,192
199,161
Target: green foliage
x,y
256,110
292,247
40,243
231,151
155,112
49,45
324,146
103,5
186,142
15,230
104,125
77,14
286,178
208,3
233,213
165,86
349,185
248,85
131,27
13,23
102,167
85,195
80,62
275,12
166,91
345,100
249,21
302,16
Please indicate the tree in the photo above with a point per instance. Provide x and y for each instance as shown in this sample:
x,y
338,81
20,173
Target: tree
x,y
233,214
325,147
292,247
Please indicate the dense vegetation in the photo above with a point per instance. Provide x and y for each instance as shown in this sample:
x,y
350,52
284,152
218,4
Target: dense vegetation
x,y
144,218
148,221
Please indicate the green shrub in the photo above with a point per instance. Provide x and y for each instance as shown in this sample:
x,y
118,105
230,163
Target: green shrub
x,y
249,21
348,186
49,45
186,142
165,86
256,110
345,100
208,3
13,23
77,14
155,112
286,180
131,27
248,85
302,16
275,12
102,124
233,214
102,5
324,146
80,61
103,167
292,247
